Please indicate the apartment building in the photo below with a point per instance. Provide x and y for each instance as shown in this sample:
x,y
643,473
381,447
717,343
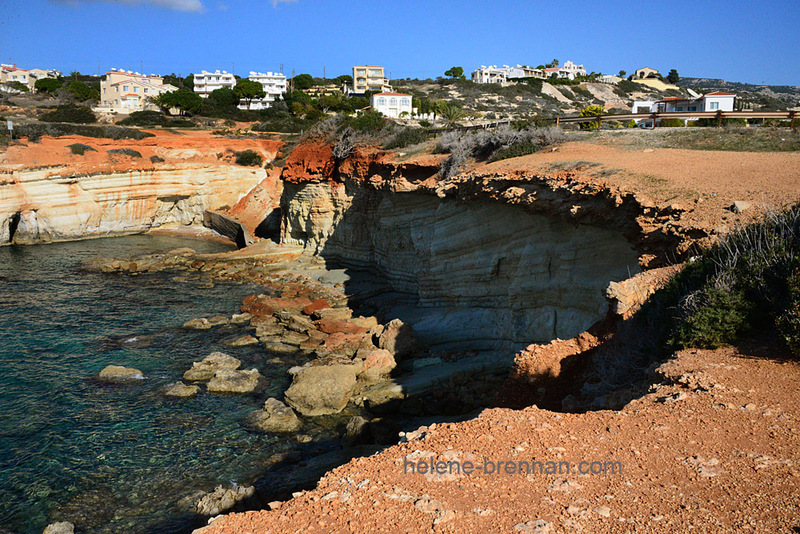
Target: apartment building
x,y
368,78
125,91
205,82
274,84
568,70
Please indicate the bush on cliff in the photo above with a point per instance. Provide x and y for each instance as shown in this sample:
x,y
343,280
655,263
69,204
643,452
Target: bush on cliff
x,y
749,281
249,158
35,130
80,149
70,113
131,153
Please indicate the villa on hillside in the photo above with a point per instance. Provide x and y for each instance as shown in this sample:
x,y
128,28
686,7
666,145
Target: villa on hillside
x,y
27,77
205,82
367,78
568,70
126,91
502,75
644,73
274,85
391,104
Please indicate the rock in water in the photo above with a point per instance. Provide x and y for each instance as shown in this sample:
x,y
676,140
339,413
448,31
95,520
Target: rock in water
x,y
206,369
398,338
275,417
243,341
223,499
231,381
117,374
179,389
322,389
63,527
197,324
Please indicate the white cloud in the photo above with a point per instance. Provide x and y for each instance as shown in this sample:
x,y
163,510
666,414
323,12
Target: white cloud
x,y
189,6
276,2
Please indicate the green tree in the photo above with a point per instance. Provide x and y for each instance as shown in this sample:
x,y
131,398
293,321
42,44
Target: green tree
x,y
591,111
673,77
302,81
224,97
82,92
47,85
184,100
552,64
455,72
19,86
248,90
344,78
622,73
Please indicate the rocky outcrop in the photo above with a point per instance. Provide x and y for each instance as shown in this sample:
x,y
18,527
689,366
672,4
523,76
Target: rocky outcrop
x,y
234,381
275,417
322,389
208,367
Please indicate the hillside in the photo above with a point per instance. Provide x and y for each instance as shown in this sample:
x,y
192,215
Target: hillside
x,y
776,97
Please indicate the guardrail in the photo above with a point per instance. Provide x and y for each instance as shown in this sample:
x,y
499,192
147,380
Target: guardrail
x,y
719,115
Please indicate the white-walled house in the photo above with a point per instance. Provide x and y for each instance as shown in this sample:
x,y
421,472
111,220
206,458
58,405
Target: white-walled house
x,y
568,70
125,91
205,82
716,101
274,85
391,104
501,75
27,77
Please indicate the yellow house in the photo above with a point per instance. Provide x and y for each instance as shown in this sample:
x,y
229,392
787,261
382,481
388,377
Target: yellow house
x,y
369,78
27,77
644,73
125,92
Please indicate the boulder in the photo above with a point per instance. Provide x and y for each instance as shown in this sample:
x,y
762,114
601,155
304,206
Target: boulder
x,y
240,318
243,341
280,348
179,389
232,381
292,338
357,432
322,389
197,324
117,374
334,314
741,205
206,369
398,338
223,499
343,344
301,324
378,364
330,326
63,527
218,320
275,417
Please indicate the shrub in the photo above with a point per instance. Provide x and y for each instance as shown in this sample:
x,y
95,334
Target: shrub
x,y
144,118
631,124
591,111
583,92
751,279
156,159
80,149
125,152
407,137
725,122
369,122
567,93
249,158
425,123
70,113
34,131
672,123
47,85
19,86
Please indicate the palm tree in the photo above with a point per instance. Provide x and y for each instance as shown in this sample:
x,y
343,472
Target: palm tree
x,y
452,113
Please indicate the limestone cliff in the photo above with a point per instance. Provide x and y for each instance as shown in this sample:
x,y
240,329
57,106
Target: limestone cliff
x,y
479,272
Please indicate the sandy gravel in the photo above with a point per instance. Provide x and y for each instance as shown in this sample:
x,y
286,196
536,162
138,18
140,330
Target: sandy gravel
x,y
714,447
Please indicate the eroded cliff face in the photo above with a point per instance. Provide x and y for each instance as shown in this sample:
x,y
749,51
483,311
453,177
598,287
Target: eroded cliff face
x,y
48,193
43,205
479,273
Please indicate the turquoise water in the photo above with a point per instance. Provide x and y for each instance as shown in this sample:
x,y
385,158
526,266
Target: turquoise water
x,y
115,458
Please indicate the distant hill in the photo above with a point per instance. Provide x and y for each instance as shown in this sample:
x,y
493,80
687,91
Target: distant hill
x,y
760,96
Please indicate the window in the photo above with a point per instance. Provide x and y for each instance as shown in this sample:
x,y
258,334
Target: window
x,y
135,89
692,108
125,88
405,102
392,101
713,106
381,101
679,108
146,90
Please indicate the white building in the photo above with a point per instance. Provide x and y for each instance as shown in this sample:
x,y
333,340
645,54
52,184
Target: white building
x,y
609,79
568,70
502,75
11,73
716,101
205,82
274,85
391,104
126,91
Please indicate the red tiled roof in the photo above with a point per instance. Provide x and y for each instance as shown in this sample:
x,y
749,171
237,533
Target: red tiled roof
x,y
391,94
720,93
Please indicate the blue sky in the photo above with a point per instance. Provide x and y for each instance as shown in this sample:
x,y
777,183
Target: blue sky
x,y
734,40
